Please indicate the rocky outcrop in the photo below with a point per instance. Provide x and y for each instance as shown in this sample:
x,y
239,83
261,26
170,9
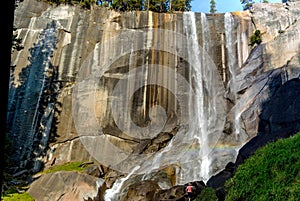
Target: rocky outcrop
x,y
144,190
282,111
279,25
66,186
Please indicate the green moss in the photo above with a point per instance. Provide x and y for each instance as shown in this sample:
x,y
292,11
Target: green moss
x,y
17,196
70,166
272,173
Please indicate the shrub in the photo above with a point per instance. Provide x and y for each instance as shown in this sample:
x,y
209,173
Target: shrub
x,y
207,194
255,38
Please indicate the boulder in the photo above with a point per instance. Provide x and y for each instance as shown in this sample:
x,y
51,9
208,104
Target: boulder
x,y
141,191
66,186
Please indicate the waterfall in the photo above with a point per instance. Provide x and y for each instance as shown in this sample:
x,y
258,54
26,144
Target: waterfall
x,y
198,91
198,124
231,66
112,194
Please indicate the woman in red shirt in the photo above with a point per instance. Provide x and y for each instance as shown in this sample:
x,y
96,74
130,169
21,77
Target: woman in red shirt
x,y
189,190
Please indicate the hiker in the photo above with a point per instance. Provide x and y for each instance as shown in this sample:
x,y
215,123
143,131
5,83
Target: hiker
x,y
189,191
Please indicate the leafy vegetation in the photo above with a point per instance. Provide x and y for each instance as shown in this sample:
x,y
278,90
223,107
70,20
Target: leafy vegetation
x,y
212,6
272,173
255,38
12,194
247,4
70,166
207,194
17,197
180,5
131,5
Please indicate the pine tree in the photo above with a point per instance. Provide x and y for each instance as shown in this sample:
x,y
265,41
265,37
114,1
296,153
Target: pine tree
x,y
247,4
127,5
157,5
135,5
105,3
212,6
188,5
180,5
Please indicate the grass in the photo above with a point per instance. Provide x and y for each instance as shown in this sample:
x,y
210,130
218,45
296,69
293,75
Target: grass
x,y
272,173
17,197
70,166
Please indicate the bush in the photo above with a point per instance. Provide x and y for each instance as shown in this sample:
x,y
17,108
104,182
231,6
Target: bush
x,y
271,173
207,194
255,38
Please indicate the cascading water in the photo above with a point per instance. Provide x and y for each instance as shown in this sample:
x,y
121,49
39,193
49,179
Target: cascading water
x,y
231,66
198,129
112,194
210,112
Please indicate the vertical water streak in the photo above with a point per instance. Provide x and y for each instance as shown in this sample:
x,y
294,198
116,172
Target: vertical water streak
x,y
145,88
244,47
44,130
209,113
239,46
129,89
231,66
242,44
35,119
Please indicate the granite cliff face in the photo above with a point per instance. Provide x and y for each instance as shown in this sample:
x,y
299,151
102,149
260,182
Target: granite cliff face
x,y
141,92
